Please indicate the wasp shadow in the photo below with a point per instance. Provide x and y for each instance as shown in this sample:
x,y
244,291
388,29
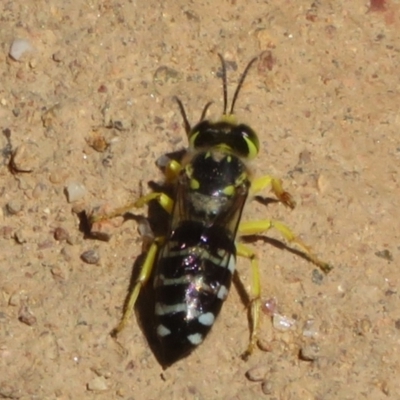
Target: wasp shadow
x,y
144,308
158,220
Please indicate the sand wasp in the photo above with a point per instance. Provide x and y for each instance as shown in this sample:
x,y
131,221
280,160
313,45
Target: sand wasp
x,y
193,265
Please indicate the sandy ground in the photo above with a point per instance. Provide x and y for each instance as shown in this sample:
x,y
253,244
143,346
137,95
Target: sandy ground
x,y
92,105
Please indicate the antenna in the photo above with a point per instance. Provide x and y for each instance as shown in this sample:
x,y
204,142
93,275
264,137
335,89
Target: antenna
x,y
224,84
206,107
239,86
183,113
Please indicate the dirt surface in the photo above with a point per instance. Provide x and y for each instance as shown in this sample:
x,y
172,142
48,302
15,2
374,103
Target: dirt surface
x,y
91,105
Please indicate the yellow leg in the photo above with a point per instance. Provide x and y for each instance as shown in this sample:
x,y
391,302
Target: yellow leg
x,y
165,202
257,227
263,182
255,304
142,279
172,170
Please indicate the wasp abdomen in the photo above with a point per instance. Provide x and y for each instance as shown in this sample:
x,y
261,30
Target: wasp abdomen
x,y
192,280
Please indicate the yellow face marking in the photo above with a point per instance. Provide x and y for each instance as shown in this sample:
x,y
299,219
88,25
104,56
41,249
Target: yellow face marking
x,y
192,139
194,184
242,177
189,170
229,118
224,148
252,147
228,190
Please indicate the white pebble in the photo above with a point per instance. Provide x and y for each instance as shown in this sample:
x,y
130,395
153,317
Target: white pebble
x,y
257,373
163,161
309,329
75,191
282,323
97,384
19,48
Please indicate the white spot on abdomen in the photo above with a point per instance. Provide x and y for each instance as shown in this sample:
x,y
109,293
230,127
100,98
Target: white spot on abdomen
x,y
207,319
164,309
222,293
195,338
162,331
232,264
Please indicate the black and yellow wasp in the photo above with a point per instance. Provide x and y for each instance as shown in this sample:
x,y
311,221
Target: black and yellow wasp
x,y
192,266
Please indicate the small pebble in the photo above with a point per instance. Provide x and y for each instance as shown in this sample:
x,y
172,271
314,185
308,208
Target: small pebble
x,y
58,274
51,116
163,161
282,323
266,387
14,300
74,240
317,276
21,236
26,316
264,345
385,254
99,371
309,329
32,63
45,244
39,190
305,157
102,227
90,256
19,48
24,158
61,234
322,183
97,142
309,352
102,89
97,384
257,373
364,326
66,253
58,176
14,206
75,191
165,75
104,230
58,56
269,306
6,232
385,388
122,125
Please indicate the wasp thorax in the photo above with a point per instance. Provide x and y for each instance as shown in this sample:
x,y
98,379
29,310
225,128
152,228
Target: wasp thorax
x,y
215,172
215,180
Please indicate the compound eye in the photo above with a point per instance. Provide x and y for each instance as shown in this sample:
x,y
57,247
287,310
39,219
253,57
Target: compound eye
x,y
248,137
201,135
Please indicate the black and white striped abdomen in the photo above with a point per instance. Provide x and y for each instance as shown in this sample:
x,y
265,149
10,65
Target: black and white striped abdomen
x,y
192,279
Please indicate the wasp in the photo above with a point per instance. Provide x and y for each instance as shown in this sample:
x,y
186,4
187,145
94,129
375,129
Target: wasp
x,y
193,265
